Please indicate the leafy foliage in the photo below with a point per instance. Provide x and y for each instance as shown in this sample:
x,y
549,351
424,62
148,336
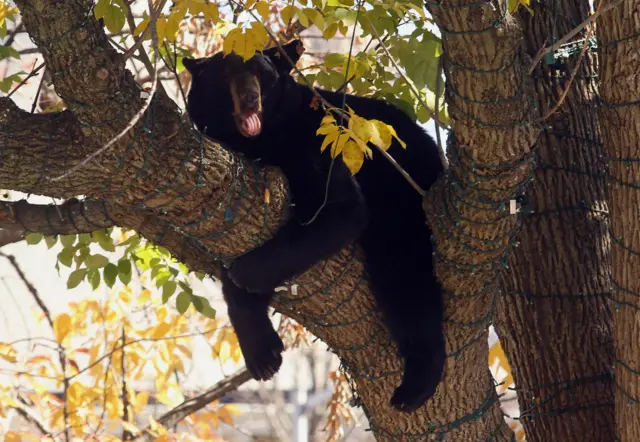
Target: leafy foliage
x,y
101,346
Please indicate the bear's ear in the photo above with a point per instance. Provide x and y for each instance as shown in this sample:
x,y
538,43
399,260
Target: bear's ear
x,y
193,65
294,50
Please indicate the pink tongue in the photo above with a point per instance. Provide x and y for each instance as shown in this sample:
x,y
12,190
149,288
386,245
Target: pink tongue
x,y
251,123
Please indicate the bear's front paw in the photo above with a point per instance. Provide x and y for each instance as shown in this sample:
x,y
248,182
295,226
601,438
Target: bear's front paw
x,y
253,276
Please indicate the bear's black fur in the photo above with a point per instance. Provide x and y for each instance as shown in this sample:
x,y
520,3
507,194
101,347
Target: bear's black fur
x,y
258,109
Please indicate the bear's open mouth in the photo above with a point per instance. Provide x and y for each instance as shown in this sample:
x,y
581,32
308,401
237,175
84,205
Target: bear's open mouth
x,y
249,124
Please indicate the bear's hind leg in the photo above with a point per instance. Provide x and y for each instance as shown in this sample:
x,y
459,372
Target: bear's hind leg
x,y
260,344
410,299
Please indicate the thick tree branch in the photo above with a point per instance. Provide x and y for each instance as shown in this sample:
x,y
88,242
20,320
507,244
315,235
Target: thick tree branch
x,y
189,406
11,235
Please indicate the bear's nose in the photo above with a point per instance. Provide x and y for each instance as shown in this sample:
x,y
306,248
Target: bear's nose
x,y
251,99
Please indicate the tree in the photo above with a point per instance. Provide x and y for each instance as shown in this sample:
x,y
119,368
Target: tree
x,y
202,204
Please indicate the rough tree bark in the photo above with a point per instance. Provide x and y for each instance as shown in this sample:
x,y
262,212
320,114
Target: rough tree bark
x,y
620,114
469,209
204,204
554,319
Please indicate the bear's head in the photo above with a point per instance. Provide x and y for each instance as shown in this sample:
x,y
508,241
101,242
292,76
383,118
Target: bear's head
x,y
230,93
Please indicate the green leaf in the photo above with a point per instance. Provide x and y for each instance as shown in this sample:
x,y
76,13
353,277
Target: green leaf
x,y
85,238
163,277
131,241
50,240
186,287
333,60
202,305
110,273
113,14
168,289
94,278
9,52
104,240
76,278
68,240
124,271
66,256
33,238
182,302
82,254
97,261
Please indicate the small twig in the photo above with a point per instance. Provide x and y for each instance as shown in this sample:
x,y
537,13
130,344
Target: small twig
x,y
35,99
574,71
174,69
126,435
31,74
443,157
570,34
136,117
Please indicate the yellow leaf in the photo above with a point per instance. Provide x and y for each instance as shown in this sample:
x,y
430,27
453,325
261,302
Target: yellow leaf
x,y
330,138
12,436
338,146
245,44
316,17
249,4
7,352
352,156
344,29
302,17
263,10
211,12
226,414
327,129
163,438
161,26
363,128
287,13
171,396
143,298
330,31
362,145
141,27
140,401
173,25
327,119
160,330
225,351
61,327
131,428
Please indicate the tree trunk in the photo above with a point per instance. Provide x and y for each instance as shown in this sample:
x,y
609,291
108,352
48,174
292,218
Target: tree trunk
x,y
468,210
205,205
620,115
554,319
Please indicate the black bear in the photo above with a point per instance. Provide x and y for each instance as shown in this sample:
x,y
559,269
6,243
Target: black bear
x,y
258,109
